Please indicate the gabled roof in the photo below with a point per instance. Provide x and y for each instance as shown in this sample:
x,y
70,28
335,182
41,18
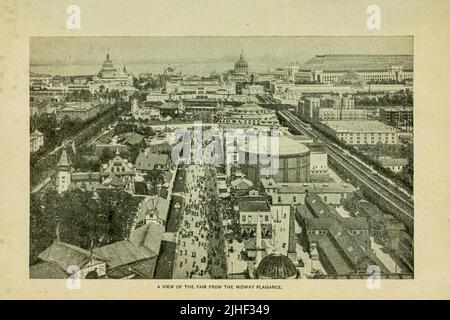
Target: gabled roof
x,y
317,207
65,255
253,206
117,166
147,161
112,182
319,223
250,244
133,138
356,223
124,252
241,183
149,236
347,244
36,133
47,270
154,205
302,212
333,256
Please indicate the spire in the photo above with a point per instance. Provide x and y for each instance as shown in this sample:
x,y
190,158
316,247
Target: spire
x,y
107,55
63,161
258,241
242,53
91,248
292,244
57,232
258,232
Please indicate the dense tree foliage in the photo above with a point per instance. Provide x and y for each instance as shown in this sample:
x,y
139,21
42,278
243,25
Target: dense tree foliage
x,y
126,126
399,98
154,178
82,218
43,161
80,95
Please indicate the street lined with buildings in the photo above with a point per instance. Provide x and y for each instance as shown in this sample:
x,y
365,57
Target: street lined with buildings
x,y
298,171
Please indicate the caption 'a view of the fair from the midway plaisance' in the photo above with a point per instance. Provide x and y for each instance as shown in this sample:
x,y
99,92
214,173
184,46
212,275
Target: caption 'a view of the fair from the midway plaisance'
x,y
221,157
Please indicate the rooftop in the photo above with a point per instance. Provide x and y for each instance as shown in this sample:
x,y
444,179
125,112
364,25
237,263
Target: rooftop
x,y
133,138
241,183
36,133
253,206
85,176
358,62
147,161
348,244
276,266
65,255
154,205
285,145
359,126
318,207
397,108
311,188
337,262
388,162
47,270
124,252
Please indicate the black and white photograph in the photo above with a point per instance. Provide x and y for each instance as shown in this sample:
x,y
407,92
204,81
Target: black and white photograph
x,y
221,157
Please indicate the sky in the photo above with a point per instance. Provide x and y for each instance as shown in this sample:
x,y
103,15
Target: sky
x,y
48,50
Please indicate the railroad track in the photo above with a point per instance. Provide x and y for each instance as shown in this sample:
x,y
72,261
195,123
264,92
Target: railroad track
x,y
364,173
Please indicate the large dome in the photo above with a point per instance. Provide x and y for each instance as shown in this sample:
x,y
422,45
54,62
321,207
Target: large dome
x,y
108,68
351,79
241,66
281,145
276,266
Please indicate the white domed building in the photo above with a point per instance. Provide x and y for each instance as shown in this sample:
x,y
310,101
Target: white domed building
x,y
241,66
240,72
109,77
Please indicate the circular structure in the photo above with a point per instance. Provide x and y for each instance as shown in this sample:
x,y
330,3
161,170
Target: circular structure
x,y
276,266
350,79
283,158
241,66
108,69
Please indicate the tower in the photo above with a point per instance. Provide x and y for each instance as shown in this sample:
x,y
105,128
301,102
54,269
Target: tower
x,y
292,245
181,106
135,106
64,168
259,246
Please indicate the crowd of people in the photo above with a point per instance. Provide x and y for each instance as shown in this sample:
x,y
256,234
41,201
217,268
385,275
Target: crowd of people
x,y
200,241
192,236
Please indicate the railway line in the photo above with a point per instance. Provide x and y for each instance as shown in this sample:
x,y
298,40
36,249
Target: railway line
x,y
397,200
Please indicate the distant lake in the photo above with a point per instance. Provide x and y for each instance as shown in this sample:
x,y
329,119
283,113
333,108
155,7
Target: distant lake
x,y
201,69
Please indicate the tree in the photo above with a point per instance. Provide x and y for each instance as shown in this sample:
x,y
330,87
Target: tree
x,y
134,150
116,215
82,219
105,156
155,178
42,224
